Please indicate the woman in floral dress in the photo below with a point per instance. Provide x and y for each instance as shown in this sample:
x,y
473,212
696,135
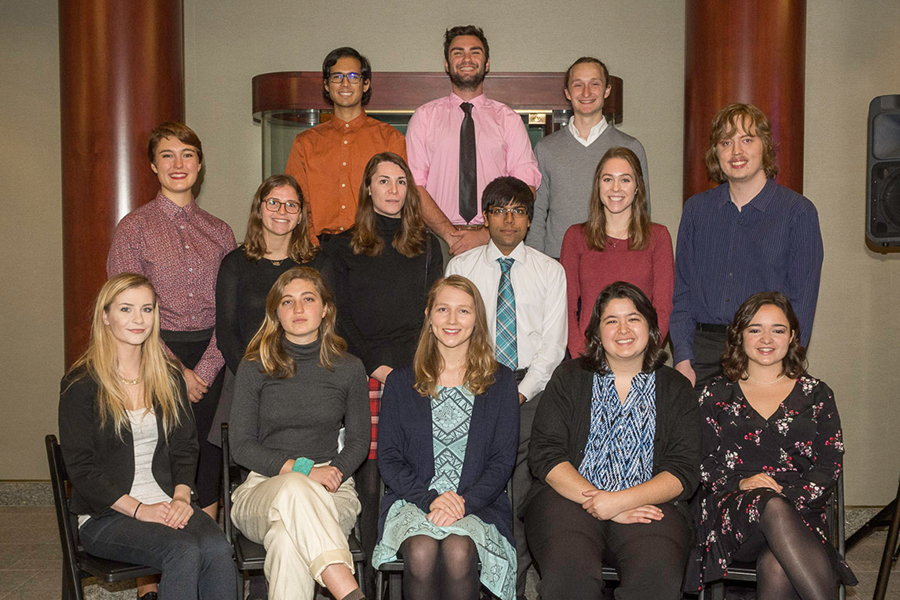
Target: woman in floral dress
x,y
447,444
772,453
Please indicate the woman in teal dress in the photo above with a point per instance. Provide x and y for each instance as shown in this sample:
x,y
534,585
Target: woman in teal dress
x,y
446,449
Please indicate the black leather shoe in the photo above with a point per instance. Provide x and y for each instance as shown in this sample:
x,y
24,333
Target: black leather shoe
x,y
149,596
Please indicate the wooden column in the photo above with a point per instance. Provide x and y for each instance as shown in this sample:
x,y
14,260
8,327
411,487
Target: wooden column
x,y
751,52
121,73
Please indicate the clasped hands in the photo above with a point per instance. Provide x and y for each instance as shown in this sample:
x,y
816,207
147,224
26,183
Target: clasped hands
x,y
174,514
603,505
447,509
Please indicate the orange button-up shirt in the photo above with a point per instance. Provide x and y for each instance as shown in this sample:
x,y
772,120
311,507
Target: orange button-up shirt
x,y
328,162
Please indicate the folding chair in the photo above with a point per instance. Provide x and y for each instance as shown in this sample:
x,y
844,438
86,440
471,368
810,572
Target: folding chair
x,y
77,562
251,556
747,571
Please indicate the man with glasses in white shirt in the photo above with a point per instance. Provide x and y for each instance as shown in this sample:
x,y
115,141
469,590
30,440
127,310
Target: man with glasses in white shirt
x,y
568,158
524,294
328,160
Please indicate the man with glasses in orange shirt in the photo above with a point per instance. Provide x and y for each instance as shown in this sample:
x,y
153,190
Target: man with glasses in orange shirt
x,y
328,160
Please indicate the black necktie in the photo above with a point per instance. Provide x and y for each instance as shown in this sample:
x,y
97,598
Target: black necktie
x,y
468,169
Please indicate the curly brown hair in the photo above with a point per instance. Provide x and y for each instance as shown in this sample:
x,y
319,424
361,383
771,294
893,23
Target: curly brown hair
x,y
734,359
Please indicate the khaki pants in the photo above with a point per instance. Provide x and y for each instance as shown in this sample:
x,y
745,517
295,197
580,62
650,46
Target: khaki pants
x,y
303,527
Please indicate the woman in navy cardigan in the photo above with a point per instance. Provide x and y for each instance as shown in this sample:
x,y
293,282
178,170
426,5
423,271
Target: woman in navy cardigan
x,y
446,449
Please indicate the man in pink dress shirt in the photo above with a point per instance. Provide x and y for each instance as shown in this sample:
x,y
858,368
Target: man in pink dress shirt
x,y
502,146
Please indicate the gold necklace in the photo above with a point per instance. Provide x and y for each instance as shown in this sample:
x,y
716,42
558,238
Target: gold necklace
x,y
765,382
129,381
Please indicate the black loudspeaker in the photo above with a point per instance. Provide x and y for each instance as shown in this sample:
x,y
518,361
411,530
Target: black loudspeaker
x,y
883,182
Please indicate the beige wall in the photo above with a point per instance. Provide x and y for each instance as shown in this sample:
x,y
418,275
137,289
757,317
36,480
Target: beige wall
x,y
229,41
31,303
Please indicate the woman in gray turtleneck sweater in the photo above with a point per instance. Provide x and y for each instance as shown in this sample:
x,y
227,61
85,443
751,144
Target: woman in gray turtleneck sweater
x,y
295,389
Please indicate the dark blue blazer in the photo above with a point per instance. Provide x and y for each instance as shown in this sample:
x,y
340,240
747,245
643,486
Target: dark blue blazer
x,y
406,450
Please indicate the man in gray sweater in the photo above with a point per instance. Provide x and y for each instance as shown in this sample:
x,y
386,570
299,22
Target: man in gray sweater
x,y
568,158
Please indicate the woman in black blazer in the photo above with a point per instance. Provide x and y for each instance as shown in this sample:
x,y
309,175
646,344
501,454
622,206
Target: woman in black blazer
x,y
130,447
616,451
447,445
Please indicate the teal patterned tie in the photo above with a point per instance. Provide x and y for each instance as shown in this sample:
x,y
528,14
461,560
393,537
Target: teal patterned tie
x,y
507,354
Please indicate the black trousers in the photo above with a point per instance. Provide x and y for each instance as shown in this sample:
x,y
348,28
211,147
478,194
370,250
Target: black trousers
x,y
570,548
707,362
209,465
520,484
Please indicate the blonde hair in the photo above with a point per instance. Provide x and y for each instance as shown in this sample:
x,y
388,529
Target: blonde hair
x,y
480,362
410,240
267,346
639,225
159,375
300,249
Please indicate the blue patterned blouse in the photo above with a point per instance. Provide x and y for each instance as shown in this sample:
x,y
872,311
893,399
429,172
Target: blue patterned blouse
x,y
619,451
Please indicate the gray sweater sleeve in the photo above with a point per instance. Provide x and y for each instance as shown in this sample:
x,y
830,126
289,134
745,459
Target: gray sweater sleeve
x,y
246,448
357,420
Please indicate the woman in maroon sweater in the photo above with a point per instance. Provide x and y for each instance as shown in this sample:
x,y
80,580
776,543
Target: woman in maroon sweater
x,y
617,243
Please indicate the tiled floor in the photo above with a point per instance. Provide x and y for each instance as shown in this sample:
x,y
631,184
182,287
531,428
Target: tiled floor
x,y
30,561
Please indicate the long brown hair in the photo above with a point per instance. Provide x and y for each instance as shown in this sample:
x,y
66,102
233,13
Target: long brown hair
x,y
481,365
734,359
160,378
639,226
267,346
301,248
410,240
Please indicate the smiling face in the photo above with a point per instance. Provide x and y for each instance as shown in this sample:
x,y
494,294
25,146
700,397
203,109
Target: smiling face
x,y
388,189
466,62
346,94
624,333
301,311
280,222
767,337
740,155
508,228
177,166
452,317
617,185
129,316
587,90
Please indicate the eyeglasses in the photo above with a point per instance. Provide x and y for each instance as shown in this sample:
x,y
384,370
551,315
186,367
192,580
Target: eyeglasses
x,y
353,78
516,211
290,207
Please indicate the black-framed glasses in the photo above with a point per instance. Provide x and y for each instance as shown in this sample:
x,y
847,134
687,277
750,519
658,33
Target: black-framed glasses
x,y
516,211
290,207
353,78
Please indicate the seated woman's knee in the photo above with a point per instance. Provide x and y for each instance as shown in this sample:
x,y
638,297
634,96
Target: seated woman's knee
x,y
420,554
459,556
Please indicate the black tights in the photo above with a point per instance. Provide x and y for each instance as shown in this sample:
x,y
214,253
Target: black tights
x,y
791,561
441,569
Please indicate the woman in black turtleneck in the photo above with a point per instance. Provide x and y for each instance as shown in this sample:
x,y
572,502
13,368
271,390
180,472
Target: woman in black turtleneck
x,y
382,268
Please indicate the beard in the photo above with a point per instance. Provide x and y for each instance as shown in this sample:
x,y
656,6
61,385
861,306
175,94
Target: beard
x,y
467,82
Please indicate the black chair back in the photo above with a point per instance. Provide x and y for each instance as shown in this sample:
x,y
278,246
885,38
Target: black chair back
x,y
77,562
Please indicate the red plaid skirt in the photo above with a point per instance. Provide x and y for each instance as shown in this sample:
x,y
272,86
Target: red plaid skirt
x,y
375,388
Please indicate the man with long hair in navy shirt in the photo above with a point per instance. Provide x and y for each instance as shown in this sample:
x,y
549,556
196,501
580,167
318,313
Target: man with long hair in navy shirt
x,y
747,235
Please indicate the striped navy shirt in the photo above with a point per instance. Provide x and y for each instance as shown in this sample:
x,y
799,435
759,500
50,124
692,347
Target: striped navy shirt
x,y
723,256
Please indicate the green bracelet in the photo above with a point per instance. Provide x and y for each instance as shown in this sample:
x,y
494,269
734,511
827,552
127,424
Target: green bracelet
x,y
302,465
